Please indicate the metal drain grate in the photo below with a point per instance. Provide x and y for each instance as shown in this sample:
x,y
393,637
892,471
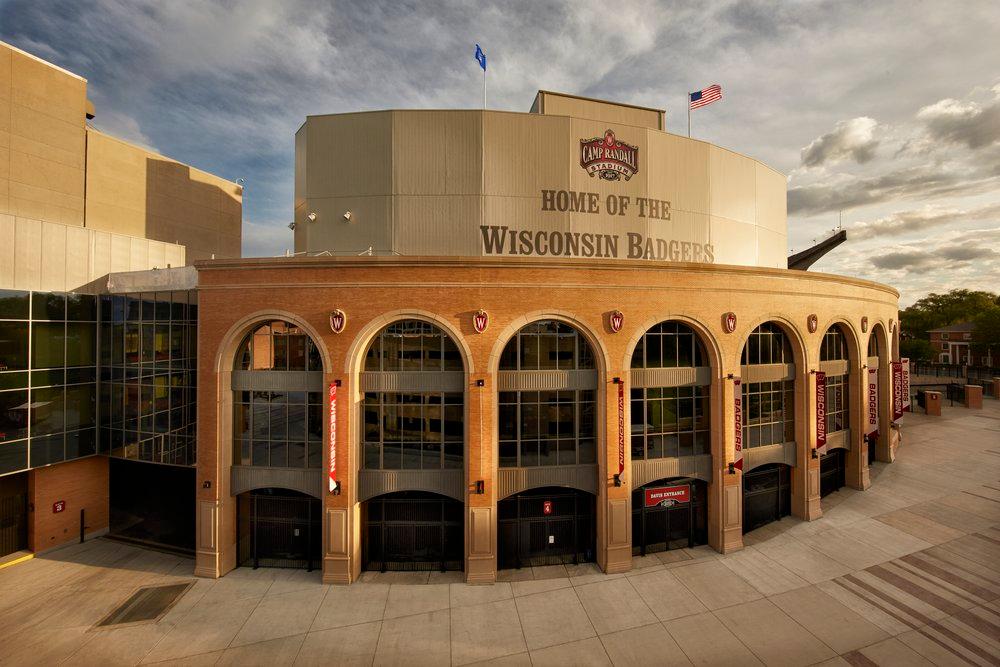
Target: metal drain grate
x,y
146,604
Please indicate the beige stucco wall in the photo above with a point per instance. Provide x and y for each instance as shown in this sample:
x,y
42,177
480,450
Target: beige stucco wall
x,y
423,182
56,169
134,191
48,256
42,139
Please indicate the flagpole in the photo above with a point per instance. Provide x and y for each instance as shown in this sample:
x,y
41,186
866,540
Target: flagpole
x,y
688,104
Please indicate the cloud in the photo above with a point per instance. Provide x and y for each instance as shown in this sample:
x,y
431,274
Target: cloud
x,y
854,138
963,122
908,222
921,181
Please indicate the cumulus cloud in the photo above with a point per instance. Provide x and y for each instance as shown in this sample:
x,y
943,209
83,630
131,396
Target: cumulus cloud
x,y
963,122
927,218
854,138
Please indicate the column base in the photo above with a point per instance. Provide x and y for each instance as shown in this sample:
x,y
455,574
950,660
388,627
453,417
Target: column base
x,y
619,559
481,570
337,570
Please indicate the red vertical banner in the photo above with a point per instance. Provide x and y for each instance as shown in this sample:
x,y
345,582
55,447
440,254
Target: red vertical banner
x,y
738,419
821,412
897,390
871,425
334,484
906,383
621,428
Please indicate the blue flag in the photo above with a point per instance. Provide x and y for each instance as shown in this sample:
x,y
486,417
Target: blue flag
x,y
481,57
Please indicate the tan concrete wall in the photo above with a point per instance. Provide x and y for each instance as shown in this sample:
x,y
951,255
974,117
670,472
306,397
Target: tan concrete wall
x,y
136,192
83,485
48,256
446,291
42,139
561,104
423,182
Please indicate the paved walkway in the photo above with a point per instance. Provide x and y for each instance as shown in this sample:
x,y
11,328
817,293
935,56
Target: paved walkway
x,y
905,573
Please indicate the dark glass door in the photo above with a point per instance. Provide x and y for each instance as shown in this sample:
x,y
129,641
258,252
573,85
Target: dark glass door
x,y
413,530
279,528
13,513
669,526
767,495
832,471
546,526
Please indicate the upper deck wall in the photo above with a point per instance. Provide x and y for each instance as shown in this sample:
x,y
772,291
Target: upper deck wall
x,y
475,183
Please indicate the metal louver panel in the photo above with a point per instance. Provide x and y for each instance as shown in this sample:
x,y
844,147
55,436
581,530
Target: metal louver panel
x,y
671,377
515,480
546,380
248,478
413,381
277,381
644,472
373,483
754,457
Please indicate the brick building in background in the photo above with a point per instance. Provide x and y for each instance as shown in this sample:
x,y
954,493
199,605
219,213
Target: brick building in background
x,y
956,344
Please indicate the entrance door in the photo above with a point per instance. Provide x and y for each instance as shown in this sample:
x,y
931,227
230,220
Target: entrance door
x,y
278,528
546,526
767,495
413,530
13,513
662,519
832,471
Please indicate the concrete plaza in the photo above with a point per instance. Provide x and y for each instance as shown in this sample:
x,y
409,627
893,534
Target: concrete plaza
x,y
905,573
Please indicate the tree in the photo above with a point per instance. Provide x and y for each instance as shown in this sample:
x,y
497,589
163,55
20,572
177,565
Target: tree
x,y
917,349
940,310
987,333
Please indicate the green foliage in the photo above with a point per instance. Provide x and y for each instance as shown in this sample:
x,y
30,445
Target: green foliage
x,y
941,310
917,349
987,333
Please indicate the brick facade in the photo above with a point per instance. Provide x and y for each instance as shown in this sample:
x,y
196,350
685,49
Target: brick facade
x,y
374,291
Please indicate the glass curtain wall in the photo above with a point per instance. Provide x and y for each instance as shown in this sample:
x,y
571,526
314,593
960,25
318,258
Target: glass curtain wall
x,y
48,378
768,407
148,376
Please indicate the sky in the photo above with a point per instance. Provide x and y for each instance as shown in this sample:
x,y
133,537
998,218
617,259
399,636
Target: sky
x,y
883,114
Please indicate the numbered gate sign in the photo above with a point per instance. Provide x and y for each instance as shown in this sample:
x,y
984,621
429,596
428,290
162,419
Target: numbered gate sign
x,y
547,507
667,496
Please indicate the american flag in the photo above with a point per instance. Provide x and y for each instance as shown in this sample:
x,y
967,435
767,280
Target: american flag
x,y
711,94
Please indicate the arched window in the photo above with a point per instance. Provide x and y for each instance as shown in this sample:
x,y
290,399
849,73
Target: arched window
x,y
834,349
768,394
556,425
670,409
278,346
413,399
278,398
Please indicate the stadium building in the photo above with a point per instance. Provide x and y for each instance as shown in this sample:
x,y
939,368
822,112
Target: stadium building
x,y
503,340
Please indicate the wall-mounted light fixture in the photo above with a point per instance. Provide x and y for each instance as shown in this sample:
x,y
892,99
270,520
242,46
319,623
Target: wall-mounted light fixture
x,y
291,226
732,468
480,382
347,216
336,383
480,487
617,380
815,454
618,479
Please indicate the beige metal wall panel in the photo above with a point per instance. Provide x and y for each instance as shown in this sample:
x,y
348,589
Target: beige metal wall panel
x,y
79,265
556,104
417,224
772,249
433,182
678,172
7,246
100,243
42,139
175,255
732,183
300,166
437,152
138,257
136,192
27,254
772,199
53,268
526,153
371,224
349,155
733,242
121,253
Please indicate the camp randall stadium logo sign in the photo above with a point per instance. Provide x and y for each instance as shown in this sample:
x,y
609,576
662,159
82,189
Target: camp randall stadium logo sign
x,y
608,158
